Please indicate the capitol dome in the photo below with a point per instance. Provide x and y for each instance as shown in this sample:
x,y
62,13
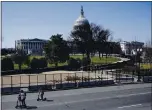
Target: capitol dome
x,y
81,20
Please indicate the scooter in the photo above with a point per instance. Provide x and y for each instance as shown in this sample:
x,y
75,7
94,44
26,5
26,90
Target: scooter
x,y
20,106
39,99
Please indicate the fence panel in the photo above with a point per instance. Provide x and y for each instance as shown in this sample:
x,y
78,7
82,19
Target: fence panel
x,y
24,80
57,81
41,79
6,81
65,78
49,81
33,80
16,81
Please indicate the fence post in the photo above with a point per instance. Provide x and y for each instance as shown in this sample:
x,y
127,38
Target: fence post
x,y
89,78
2,83
82,78
126,77
11,85
101,73
95,77
68,78
75,80
107,75
112,74
45,81
20,81
37,82
119,75
132,76
29,82
53,82
61,79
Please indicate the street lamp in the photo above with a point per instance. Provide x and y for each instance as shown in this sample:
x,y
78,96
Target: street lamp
x,y
139,52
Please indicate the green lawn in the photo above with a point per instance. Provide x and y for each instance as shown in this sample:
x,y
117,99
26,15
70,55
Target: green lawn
x,y
146,66
95,60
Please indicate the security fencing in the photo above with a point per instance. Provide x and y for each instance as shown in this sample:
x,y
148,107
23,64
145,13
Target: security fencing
x,y
13,83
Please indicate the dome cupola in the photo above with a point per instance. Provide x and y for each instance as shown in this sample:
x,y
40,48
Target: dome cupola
x,y
81,20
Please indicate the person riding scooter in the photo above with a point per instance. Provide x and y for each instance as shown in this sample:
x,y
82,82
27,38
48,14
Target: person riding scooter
x,y
41,94
21,99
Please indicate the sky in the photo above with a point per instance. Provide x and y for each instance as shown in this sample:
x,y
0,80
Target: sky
x,y
127,21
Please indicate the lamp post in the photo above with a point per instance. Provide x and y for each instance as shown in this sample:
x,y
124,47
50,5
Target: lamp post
x,y
139,52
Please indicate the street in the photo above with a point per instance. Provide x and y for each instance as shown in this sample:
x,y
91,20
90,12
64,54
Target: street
x,y
124,97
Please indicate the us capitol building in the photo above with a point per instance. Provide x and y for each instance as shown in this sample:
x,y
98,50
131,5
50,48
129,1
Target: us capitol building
x,y
35,46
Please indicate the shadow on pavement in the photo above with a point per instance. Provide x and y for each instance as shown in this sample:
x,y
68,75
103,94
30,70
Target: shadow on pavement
x,y
49,100
31,107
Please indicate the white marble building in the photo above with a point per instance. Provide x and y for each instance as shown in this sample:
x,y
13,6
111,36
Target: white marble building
x,y
31,46
131,48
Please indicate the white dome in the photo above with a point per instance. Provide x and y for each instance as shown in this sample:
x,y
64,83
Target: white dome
x,y
81,20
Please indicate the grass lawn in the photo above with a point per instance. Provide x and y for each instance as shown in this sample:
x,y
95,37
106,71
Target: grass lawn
x,y
95,60
146,66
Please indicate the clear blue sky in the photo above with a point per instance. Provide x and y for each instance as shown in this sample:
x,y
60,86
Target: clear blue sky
x,y
22,20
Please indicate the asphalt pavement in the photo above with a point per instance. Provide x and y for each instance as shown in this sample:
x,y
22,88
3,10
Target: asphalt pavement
x,y
124,97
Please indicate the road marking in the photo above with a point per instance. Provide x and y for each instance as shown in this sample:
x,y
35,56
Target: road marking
x,y
130,106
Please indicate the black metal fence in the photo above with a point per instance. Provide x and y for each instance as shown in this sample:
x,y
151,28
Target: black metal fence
x,y
13,83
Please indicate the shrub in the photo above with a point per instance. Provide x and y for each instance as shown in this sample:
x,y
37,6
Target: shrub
x,y
72,78
38,63
43,63
34,64
7,64
74,63
86,61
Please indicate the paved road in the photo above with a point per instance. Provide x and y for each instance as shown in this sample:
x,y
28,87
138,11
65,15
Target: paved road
x,y
125,97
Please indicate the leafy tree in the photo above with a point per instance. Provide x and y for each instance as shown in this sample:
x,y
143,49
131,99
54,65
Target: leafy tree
x,y
82,36
19,58
57,50
27,60
74,63
7,64
43,62
100,37
148,54
38,63
34,64
86,61
4,52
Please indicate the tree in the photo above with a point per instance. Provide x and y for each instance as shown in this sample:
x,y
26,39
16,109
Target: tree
x,y
74,63
100,37
82,36
27,60
34,64
7,64
19,58
4,52
57,50
38,63
148,54
85,61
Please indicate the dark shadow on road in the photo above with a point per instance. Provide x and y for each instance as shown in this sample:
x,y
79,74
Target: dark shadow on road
x,y
49,100
31,107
